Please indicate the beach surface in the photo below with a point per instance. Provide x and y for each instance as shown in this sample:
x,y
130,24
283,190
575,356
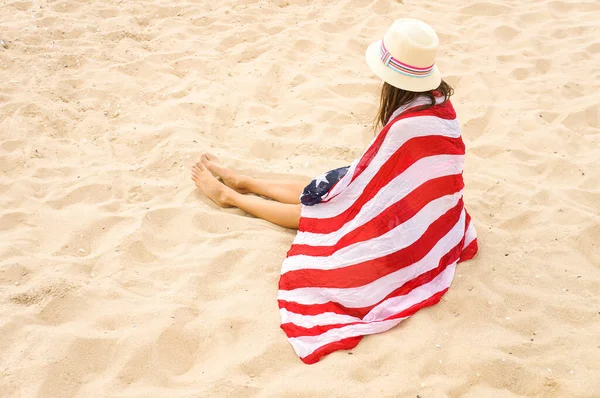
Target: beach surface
x,y
118,279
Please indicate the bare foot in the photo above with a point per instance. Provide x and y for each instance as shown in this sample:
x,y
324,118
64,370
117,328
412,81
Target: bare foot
x,y
210,186
230,177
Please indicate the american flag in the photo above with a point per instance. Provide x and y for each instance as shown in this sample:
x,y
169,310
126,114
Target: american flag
x,y
384,241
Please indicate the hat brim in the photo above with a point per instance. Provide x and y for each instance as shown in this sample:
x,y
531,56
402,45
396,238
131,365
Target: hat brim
x,y
397,79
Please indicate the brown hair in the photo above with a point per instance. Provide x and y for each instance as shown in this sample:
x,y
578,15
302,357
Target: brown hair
x,y
392,98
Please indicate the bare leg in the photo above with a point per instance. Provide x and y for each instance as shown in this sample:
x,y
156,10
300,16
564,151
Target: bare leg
x,y
284,191
284,215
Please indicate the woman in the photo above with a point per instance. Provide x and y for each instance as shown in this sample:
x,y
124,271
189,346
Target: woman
x,y
380,239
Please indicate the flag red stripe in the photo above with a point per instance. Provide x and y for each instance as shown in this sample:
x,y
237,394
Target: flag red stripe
x,y
345,344
316,309
390,218
351,342
366,272
431,166
293,330
433,299
443,111
469,251
413,150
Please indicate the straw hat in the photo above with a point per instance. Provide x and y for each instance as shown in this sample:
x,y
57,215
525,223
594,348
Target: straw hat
x,y
405,58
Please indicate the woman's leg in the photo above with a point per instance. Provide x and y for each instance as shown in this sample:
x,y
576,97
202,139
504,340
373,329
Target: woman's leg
x,y
284,191
284,215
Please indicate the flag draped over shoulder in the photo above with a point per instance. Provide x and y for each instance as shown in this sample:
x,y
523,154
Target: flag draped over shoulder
x,y
385,239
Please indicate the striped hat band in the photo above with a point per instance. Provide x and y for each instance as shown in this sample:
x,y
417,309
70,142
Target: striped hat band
x,y
401,67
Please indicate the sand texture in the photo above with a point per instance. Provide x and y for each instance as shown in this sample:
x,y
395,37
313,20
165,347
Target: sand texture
x,y
117,279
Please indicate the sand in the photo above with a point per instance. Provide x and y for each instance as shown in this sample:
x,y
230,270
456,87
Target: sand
x,y
117,279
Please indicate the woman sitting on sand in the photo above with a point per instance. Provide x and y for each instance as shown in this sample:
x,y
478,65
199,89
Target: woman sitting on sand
x,y
380,239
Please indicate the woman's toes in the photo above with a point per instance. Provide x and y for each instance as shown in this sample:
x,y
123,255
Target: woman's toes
x,y
197,171
198,167
206,158
202,167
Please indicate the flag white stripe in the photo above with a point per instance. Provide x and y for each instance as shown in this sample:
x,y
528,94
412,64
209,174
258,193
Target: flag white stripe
x,y
372,293
343,183
380,297
397,304
308,321
470,235
305,345
419,173
396,239
400,132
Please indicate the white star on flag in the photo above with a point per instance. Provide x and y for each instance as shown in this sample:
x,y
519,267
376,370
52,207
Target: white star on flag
x,y
321,179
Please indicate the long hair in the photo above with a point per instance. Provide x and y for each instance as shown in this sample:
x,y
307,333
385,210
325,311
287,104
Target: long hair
x,y
392,98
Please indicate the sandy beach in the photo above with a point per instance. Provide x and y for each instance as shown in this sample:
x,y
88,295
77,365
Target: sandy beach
x,y
118,279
